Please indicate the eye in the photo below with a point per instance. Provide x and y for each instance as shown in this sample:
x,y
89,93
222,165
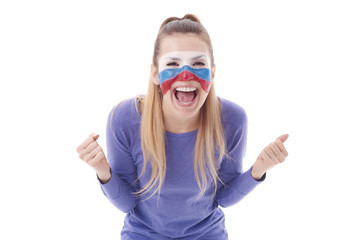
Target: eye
x,y
199,64
172,64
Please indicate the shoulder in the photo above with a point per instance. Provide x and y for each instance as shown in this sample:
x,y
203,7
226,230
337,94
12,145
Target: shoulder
x,y
125,114
232,114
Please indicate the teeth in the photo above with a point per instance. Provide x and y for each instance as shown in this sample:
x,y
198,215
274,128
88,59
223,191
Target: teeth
x,y
186,103
185,89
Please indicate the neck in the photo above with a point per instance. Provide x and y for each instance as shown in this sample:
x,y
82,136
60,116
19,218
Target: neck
x,y
179,125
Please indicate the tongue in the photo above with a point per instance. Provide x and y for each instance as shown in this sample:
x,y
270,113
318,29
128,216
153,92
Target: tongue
x,y
185,96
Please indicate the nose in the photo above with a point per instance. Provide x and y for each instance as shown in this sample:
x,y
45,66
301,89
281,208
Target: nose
x,y
186,76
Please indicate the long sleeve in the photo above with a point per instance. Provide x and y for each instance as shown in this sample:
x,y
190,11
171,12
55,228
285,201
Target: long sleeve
x,y
119,190
237,184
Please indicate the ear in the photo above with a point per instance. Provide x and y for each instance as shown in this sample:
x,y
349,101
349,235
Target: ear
x,y
154,75
213,71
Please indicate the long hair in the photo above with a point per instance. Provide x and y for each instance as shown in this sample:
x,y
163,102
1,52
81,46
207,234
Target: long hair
x,y
210,135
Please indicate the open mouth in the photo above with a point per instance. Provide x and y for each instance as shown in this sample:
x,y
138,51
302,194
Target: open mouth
x,y
185,95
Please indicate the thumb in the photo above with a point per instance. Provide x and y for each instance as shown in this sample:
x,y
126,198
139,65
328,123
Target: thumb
x,y
283,137
95,136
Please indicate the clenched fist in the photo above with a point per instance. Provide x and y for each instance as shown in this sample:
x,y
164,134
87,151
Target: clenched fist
x,y
90,152
271,155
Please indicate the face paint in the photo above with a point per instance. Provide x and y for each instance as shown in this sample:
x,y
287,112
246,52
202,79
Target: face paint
x,y
170,72
186,73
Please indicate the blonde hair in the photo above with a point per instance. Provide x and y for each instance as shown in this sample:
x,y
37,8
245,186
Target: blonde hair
x,y
210,135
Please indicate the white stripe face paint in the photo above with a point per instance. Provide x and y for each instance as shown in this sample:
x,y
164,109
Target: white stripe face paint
x,y
181,58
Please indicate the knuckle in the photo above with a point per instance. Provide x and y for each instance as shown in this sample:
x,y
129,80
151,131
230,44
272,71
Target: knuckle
x,y
100,156
86,158
92,145
97,157
89,156
81,155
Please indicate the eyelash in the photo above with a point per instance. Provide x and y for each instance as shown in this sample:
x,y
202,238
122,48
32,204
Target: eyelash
x,y
172,64
175,64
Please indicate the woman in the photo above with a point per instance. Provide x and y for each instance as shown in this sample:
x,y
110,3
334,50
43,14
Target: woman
x,y
175,154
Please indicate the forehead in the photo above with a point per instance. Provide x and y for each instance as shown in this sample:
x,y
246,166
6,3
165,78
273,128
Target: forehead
x,y
182,43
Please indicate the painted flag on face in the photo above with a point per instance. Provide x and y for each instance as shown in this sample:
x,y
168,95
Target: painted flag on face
x,y
186,73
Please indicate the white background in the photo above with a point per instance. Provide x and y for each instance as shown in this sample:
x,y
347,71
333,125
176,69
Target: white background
x,y
290,64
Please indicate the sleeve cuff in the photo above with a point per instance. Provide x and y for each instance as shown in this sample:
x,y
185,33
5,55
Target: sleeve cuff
x,y
110,188
261,179
246,183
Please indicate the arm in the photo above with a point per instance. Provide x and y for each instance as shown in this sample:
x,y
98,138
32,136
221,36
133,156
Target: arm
x,y
237,184
121,184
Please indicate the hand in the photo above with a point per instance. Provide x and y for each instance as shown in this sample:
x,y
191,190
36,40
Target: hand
x,y
90,152
271,155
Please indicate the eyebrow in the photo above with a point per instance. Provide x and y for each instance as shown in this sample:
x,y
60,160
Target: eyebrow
x,y
194,58
198,57
172,58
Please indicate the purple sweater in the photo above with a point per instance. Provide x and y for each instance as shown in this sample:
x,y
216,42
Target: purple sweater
x,y
176,214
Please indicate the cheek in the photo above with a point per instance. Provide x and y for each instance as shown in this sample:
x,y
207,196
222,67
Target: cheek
x,y
166,86
208,87
167,98
203,95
